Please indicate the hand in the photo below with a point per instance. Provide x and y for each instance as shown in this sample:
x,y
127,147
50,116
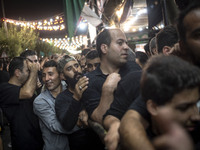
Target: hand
x,y
80,87
111,82
83,119
174,137
112,137
33,67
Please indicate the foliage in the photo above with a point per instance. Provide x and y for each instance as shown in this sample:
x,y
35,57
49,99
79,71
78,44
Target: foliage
x,y
17,39
46,48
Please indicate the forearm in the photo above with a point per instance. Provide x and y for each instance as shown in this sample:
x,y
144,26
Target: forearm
x,y
132,132
110,122
104,105
29,87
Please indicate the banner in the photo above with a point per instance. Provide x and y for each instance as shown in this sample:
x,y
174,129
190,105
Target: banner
x,y
73,11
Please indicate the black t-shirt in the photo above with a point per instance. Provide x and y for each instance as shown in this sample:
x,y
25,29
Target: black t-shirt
x,y
139,105
92,95
24,125
127,91
67,109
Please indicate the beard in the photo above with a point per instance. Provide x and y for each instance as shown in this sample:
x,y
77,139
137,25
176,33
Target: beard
x,y
72,81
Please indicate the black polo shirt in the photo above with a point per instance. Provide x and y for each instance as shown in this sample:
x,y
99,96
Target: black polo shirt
x,y
91,97
127,91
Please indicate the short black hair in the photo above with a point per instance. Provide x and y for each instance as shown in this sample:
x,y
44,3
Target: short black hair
x,y
168,36
142,57
195,4
165,76
16,63
27,53
85,51
103,37
92,54
51,63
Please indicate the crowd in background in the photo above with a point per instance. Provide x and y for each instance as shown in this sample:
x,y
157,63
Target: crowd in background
x,y
110,97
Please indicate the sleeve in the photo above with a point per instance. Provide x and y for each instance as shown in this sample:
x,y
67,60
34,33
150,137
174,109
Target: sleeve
x,y
67,110
47,115
125,94
139,105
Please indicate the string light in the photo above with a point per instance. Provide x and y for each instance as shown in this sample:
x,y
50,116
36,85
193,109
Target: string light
x,y
69,44
54,23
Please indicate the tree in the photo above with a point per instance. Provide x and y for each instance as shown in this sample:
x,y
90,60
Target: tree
x,y
17,39
46,48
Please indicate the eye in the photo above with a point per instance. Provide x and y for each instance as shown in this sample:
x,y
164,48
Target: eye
x,y
120,43
76,65
69,68
89,65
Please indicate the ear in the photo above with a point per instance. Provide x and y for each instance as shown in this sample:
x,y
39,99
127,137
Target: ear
x,y
166,50
104,48
152,107
17,72
155,52
62,77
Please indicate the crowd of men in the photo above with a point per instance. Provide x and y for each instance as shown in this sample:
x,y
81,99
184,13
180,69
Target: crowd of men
x,y
62,103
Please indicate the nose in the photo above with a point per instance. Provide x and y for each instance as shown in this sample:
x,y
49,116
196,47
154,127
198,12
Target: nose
x,y
195,114
47,78
126,47
75,69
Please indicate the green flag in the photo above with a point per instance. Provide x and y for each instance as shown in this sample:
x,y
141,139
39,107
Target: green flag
x,y
73,12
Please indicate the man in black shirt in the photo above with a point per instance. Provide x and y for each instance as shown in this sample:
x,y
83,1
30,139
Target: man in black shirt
x,y
113,52
70,110
16,101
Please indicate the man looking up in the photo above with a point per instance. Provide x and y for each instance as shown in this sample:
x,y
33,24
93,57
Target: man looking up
x,y
113,52
54,135
17,104
69,109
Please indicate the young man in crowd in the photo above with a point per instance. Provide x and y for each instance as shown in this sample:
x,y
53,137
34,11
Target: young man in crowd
x,y
31,55
92,60
69,108
166,81
54,135
17,104
188,24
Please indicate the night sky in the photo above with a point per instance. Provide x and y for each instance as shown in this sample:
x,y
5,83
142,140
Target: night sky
x,y
31,9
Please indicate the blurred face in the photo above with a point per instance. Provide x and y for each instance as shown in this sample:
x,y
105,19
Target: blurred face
x,y
192,25
72,73
92,64
24,74
184,106
33,59
51,78
118,50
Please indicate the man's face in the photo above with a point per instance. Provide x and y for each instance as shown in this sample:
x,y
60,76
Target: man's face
x,y
184,107
51,78
92,64
72,73
33,59
117,51
24,74
192,25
